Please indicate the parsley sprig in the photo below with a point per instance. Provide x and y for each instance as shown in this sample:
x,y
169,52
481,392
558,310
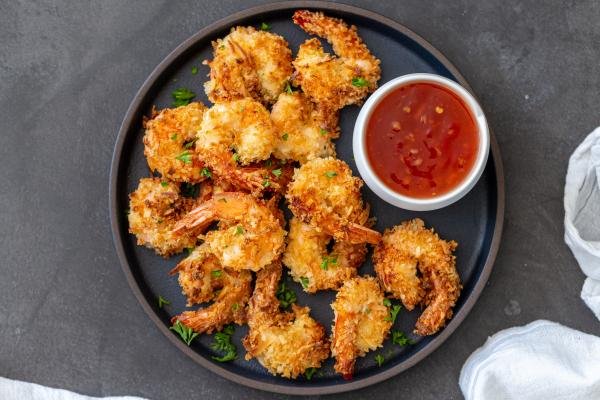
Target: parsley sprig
x,y
163,302
379,359
328,260
359,81
394,310
182,97
186,333
285,296
222,343
400,338
308,374
185,157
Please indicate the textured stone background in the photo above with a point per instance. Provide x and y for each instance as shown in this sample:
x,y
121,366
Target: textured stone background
x,y
68,71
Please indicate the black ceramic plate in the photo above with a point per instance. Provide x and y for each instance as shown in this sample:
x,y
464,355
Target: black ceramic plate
x,y
475,222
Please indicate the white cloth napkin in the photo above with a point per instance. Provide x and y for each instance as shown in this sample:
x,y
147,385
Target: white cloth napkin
x,y
542,361
17,390
582,215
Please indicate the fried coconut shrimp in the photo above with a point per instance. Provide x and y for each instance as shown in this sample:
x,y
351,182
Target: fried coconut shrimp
x,y
307,256
285,343
203,279
418,267
250,236
154,209
168,142
304,132
334,81
361,322
249,63
324,194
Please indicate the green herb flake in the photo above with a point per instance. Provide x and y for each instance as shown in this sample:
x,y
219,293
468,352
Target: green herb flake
x,y
285,296
235,307
387,302
163,302
182,97
359,82
222,343
268,163
304,281
288,88
323,132
400,338
189,250
239,230
185,157
186,333
285,136
328,260
194,70
379,359
266,183
277,172
164,183
308,374
174,136
330,174
206,172
190,144
217,273
236,157
393,313
265,26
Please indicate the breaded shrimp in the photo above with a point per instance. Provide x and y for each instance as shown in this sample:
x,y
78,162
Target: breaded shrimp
x,y
248,63
334,81
285,343
307,256
361,322
325,195
250,236
204,279
154,209
303,132
168,142
409,249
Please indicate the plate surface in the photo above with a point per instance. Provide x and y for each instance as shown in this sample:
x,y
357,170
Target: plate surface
x,y
475,222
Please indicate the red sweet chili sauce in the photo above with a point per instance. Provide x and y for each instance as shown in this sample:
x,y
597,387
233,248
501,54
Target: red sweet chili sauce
x,y
422,140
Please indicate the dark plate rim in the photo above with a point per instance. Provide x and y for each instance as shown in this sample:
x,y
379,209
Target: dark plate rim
x,y
133,113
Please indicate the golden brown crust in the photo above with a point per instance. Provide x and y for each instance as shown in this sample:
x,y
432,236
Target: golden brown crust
x,y
286,343
361,322
334,81
154,209
248,63
408,248
165,139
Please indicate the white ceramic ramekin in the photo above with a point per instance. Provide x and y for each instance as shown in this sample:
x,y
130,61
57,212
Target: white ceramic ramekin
x,y
379,187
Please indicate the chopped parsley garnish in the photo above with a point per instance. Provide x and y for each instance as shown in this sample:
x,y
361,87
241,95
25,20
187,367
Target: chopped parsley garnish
x,y
189,250
194,70
190,190
217,273
164,183
288,88
206,172
327,260
182,97
308,374
223,344
285,296
323,132
268,163
400,338
285,136
393,312
330,174
277,172
186,333
379,360
174,136
163,302
359,82
265,26
190,144
387,302
266,183
235,307
304,281
239,230
185,157
236,157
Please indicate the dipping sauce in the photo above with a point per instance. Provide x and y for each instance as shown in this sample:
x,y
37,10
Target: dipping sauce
x,y
422,140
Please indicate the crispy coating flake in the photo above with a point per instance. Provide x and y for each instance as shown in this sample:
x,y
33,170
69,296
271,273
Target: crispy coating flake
x,y
167,142
250,236
334,81
285,343
325,195
303,131
307,257
360,323
249,63
408,250
154,209
203,279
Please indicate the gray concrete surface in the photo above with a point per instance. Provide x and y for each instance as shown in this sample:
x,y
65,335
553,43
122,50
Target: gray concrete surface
x,y
68,71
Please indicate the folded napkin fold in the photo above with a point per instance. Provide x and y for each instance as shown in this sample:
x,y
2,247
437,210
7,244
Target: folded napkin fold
x,y
582,215
541,360
17,390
